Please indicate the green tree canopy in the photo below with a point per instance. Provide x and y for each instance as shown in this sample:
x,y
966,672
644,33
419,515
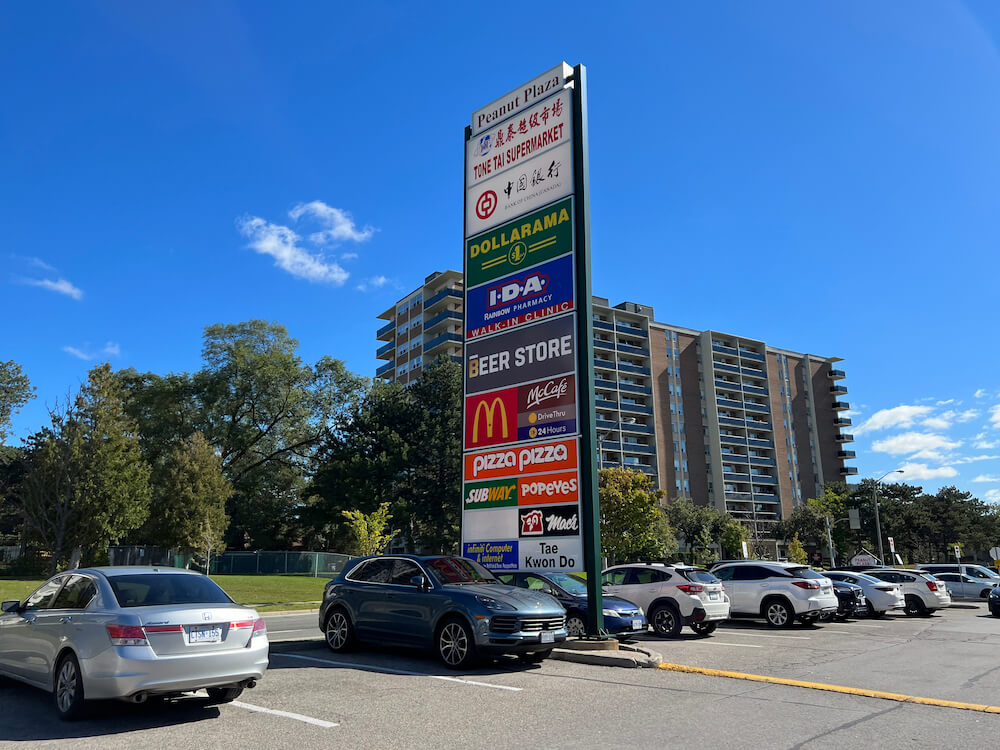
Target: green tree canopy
x,y
633,525
15,391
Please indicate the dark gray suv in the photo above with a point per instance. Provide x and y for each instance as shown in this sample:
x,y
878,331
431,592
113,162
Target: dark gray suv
x,y
451,604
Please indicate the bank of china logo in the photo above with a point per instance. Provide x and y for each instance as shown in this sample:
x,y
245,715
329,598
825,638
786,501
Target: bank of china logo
x,y
531,523
492,418
484,145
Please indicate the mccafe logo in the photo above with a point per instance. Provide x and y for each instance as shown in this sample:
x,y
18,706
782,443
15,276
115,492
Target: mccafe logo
x,y
555,520
547,391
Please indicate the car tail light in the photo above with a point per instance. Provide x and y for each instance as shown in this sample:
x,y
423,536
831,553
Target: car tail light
x,y
806,584
163,628
885,588
242,624
259,627
691,588
932,585
127,635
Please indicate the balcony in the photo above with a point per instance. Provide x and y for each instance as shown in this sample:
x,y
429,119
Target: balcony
x,y
729,403
384,369
636,408
388,328
842,422
444,338
731,476
758,461
754,389
444,294
733,440
763,478
838,390
629,349
442,317
753,372
604,364
631,330
604,326
384,350
645,429
756,407
836,375
603,403
723,349
847,454
841,405
730,422
747,354
757,424
735,458
738,496
599,344
844,437
629,388
723,367
638,448
635,369
727,385
848,471
760,443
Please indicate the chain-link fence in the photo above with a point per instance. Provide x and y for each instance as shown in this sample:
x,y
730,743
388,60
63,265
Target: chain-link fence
x,y
325,564
145,555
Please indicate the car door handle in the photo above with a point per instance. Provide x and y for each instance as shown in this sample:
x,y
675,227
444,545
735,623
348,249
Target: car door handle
x,y
66,619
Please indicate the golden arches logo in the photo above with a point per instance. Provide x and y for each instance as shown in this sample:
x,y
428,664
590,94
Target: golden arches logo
x,y
490,412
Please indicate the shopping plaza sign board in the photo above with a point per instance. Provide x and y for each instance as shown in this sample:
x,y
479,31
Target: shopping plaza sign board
x,y
528,468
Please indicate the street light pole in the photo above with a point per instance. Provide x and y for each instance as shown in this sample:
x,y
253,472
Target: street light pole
x,y
878,523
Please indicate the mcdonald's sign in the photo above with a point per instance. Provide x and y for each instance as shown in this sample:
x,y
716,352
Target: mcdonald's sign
x,y
491,418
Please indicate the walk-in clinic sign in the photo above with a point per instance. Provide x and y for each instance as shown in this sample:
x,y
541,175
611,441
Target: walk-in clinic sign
x,y
521,468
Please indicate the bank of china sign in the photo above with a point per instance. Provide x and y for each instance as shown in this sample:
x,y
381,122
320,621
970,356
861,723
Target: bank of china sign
x,y
521,468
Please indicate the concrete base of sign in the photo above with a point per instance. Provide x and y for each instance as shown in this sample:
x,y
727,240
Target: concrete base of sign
x,y
625,655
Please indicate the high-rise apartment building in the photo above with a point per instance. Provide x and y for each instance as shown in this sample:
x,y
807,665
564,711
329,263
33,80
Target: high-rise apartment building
x,y
723,419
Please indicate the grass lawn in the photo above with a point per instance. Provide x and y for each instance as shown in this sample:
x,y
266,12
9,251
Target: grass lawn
x,y
269,592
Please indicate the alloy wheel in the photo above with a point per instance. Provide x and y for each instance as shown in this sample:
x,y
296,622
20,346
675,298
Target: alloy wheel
x,y
453,643
777,614
66,686
337,631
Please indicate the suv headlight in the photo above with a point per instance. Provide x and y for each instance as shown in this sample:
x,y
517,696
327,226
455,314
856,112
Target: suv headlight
x,y
610,613
494,604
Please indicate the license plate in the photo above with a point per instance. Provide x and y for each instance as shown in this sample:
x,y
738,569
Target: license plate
x,y
547,638
204,634
713,596
636,624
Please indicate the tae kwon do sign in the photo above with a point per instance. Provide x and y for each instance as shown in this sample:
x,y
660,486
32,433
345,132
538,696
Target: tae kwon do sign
x,y
521,504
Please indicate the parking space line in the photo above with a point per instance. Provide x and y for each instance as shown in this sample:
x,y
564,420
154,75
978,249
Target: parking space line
x,y
899,697
762,635
390,670
286,714
865,625
739,645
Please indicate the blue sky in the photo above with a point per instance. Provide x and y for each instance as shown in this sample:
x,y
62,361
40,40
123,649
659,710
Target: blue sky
x,y
820,176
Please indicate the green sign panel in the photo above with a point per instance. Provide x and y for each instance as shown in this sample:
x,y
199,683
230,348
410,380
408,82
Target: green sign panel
x,y
528,241
499,493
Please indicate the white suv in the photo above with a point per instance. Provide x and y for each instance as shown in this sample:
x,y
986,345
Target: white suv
x,y
672,595
779,592
923,592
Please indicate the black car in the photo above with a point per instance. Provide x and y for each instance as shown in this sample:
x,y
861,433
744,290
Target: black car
x,y
994,602
851,600
451,604
621,617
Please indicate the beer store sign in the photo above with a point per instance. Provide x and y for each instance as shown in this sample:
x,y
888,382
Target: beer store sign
x,y
521,355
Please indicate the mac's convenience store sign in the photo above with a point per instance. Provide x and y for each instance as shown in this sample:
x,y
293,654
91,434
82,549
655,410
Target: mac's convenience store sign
x,y
521,504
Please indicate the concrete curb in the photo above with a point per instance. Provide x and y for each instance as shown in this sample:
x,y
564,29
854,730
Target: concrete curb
x,y
284,612
631,657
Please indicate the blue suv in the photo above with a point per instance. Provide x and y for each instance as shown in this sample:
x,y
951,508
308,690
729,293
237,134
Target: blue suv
x,y
451,604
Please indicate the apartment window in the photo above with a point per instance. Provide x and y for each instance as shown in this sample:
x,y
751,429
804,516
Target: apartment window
x,y
401,308
401,370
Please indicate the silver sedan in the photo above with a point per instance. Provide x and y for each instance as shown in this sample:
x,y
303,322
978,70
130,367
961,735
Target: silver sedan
x,y
129,633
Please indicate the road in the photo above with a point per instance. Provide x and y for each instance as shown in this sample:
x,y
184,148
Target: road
x,y
400,699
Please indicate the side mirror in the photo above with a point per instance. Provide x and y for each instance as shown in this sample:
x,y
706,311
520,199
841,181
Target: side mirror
x,y
10,606
420,582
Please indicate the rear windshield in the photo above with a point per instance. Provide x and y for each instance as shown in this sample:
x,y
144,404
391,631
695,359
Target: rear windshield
x,y
152,589
804,572
700,576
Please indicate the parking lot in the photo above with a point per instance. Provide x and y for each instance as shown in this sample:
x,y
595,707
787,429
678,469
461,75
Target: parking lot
x,y
399,699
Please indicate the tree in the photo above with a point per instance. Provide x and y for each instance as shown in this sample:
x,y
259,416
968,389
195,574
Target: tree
x,y
633,525
189,499
797,552
15,391
87,484
370,529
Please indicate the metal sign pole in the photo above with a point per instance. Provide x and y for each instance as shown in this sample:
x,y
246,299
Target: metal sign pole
x,y
589,504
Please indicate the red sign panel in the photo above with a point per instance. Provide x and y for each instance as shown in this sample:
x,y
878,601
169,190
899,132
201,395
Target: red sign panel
x,y
558,455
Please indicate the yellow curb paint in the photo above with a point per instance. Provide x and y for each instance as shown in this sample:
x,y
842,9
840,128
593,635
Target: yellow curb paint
x,y
899,697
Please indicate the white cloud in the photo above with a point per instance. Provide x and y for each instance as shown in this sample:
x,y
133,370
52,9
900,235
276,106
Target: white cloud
x,y
992,496
376,282
110,349
945,420
972,459
985,445
944,403
913,471
61,286
989,478
980,393
899,416
337,224
282,244
348,256
995,416
917,445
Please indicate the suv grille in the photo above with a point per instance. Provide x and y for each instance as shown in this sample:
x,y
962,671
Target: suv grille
x,y
513,624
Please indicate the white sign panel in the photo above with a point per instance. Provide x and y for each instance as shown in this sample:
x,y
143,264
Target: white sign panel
x,y
489,523
536,182
551,554
521,97
512,141
864,560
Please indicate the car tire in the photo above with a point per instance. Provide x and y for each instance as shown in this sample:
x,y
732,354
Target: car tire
x,y
914,606
224,694
575,626
812,620
455,645
778,613
984,593
872,612
339,632
995,611
535,657
67,688
666,621
704,628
